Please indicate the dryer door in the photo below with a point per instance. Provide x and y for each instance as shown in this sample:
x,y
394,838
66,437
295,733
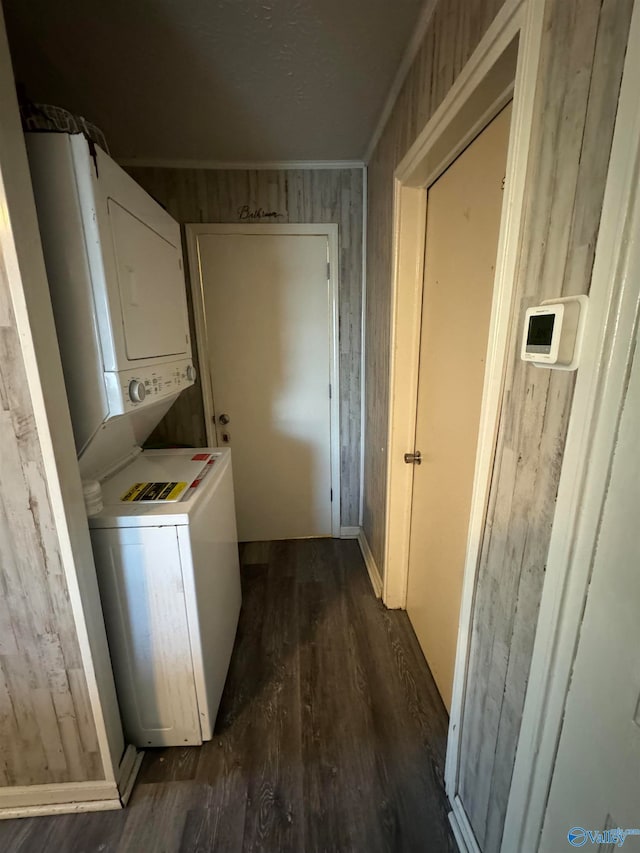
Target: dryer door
x,y
151,287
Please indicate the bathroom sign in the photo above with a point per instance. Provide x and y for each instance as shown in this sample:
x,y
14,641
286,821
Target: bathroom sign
x,y
154,492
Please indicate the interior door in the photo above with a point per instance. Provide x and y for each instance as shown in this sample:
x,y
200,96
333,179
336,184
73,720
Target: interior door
x,y
463,222
267,313
596,780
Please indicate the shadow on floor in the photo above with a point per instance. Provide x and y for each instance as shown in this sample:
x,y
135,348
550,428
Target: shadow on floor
x,y
331,734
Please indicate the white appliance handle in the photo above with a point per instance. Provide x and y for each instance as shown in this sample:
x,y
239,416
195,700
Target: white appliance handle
x,y
132,286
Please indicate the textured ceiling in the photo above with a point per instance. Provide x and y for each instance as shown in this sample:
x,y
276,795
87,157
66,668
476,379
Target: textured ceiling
x,y
229,80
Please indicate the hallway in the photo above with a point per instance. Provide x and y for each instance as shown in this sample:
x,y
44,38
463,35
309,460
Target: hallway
x,y
331,735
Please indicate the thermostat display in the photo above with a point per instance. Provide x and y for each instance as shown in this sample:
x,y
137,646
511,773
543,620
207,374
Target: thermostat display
x,y
553,333
540,334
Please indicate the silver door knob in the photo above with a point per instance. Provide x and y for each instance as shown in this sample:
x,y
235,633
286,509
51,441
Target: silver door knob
x,y
223,419
413,458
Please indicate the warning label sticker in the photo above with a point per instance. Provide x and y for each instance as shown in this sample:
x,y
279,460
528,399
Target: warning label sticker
x,y
154,492
200,457
202,474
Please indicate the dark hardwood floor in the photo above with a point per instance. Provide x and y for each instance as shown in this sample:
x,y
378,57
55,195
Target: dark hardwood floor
x,y
331,734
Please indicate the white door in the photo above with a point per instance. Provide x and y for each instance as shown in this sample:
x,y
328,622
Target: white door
x,y
463,222
596,780
267,309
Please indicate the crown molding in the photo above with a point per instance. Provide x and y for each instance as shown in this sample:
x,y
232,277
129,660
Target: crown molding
x,y
410,54
221,165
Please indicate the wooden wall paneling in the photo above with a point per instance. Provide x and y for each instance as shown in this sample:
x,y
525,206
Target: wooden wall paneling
x,y
297,196
581,69
575,111
455,30
47,732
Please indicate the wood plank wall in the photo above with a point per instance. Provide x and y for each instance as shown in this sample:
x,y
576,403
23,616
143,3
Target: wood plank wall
x,y
454,32
295,196
584,45
577,92
47,731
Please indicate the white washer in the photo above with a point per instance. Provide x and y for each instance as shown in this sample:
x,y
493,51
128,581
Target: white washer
x,y
170,586
167,568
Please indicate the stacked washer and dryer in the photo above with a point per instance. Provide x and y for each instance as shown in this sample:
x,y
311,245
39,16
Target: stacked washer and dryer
x,y
162,522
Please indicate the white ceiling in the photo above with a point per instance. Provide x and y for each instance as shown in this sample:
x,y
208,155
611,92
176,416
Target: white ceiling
x,y
225,80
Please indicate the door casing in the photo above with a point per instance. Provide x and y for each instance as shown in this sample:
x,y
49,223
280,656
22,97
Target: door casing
x,y
330,231
503,66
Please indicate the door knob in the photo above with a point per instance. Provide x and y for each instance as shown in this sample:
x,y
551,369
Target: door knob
x,y
413,458
223,419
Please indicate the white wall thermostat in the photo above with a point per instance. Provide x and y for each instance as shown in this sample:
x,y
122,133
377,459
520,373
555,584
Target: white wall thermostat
x,y
552,335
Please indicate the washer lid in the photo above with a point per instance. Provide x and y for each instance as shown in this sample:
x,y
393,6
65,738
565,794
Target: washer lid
x,y
160,487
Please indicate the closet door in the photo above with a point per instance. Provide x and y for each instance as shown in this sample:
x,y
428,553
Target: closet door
x,y
463,222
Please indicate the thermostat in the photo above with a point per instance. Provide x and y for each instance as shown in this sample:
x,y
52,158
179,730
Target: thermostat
x,y
553,330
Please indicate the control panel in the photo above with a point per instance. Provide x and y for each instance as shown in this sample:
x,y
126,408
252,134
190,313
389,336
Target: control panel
x,y
131,389
553,331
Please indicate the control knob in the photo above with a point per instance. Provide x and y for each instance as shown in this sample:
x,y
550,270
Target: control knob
x,y
191,373
137,391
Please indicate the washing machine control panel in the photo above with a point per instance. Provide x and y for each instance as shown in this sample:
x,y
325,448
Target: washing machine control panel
x,y
129,390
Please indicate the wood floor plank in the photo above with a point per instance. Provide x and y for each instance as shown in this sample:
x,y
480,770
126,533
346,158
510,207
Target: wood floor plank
x,y
82,833
331,734
274,816
169,764
156,816
410,725
353,802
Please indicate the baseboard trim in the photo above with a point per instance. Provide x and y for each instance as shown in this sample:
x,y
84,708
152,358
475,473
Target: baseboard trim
x,y
128,771
60,808
72,797
465,839
457,834
370,563
349,532
58,798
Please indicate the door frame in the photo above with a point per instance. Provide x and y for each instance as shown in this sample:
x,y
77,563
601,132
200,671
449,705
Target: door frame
x,y
599,396
503,66
328,230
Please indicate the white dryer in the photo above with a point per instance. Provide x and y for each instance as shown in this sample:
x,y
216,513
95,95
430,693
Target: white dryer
x,y
114,264
165,542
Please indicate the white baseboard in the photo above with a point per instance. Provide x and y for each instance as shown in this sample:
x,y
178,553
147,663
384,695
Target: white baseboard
x,y
465,839
349,532
457,833
370,563
72,797
127,772
58,798
60,808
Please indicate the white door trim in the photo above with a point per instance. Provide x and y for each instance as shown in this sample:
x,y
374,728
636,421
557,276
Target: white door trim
x,y
612,322
328,230
504,63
